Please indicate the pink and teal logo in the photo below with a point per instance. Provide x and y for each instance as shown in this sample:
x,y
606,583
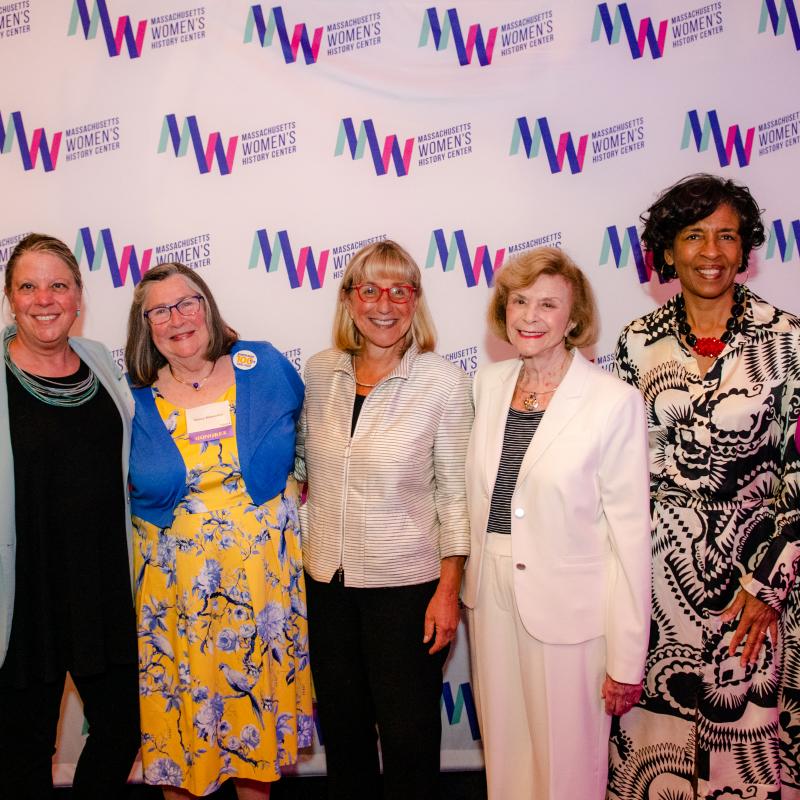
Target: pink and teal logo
x,y
102,251
456,251
281,252
13,130
382,156
709,130
621,22
441,30
532,140
266,28
113,35
622,244
775,14
189,134
784,239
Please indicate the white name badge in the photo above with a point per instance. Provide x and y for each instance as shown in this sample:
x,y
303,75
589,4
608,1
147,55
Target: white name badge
x,y
209,422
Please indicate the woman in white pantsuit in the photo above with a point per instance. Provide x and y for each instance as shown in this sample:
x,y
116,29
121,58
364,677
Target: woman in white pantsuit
x,y
558,582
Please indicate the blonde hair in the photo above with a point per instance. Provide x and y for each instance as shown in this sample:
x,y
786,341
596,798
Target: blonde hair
x,y
386,260
521,271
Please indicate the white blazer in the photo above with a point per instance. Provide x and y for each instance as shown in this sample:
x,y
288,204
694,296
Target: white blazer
x,y
580,518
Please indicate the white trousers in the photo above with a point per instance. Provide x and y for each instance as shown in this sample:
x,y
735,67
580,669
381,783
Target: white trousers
x,y
543,722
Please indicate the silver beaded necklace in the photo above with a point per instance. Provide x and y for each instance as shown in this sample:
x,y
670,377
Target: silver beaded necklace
x,y
53,393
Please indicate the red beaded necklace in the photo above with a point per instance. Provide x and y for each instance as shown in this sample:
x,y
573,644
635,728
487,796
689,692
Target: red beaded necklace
x,y
710,346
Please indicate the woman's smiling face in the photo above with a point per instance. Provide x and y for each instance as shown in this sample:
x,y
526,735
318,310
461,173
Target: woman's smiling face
x,y
538,316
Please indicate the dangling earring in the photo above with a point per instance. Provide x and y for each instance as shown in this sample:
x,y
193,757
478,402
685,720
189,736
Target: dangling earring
x,y
77,313
668,271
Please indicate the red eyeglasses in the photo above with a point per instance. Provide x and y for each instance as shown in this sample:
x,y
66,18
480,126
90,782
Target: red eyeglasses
x,y
370,293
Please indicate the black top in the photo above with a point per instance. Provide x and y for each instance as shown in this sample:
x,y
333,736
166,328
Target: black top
x,y
520,428
72,606
357,405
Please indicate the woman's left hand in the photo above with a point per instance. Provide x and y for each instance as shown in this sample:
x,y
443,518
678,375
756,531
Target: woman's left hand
x,y
294,490
620,697
442,614
757,619
441,617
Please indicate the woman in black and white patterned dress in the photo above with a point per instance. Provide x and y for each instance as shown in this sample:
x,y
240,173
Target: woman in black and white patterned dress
x,y
719,369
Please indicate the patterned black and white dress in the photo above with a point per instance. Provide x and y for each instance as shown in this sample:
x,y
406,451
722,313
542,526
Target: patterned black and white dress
x,y
725,499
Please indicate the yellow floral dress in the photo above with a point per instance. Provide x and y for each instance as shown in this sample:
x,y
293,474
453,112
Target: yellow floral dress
x,y
223,643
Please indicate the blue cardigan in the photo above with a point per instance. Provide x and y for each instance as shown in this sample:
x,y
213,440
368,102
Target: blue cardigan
x,y
269,397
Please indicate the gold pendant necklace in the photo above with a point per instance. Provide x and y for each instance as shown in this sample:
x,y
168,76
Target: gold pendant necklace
x,y
531,402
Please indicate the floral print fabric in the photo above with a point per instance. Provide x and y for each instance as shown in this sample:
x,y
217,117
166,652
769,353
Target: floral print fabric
x,y
223,644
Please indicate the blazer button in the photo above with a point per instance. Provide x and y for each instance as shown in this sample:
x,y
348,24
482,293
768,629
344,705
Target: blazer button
x,y
520,566
519,513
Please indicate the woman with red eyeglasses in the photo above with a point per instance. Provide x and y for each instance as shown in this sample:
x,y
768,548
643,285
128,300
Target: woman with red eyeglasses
x,y
382,442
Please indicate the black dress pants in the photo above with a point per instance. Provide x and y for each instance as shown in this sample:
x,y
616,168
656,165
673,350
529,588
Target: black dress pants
x,y
28,736
370,668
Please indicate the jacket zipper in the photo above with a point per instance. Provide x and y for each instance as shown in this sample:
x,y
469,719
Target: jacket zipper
x,y
340,569
339,574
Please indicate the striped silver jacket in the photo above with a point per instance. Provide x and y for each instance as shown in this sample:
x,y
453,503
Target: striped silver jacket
x,y
388,503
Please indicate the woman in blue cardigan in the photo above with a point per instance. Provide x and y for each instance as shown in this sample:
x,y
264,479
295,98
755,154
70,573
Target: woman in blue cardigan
x,y
223,650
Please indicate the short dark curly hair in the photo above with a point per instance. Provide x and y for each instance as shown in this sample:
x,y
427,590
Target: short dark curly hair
x,y
694,198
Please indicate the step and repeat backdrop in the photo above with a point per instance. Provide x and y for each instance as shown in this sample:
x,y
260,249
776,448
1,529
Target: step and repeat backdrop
x,y
264,144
